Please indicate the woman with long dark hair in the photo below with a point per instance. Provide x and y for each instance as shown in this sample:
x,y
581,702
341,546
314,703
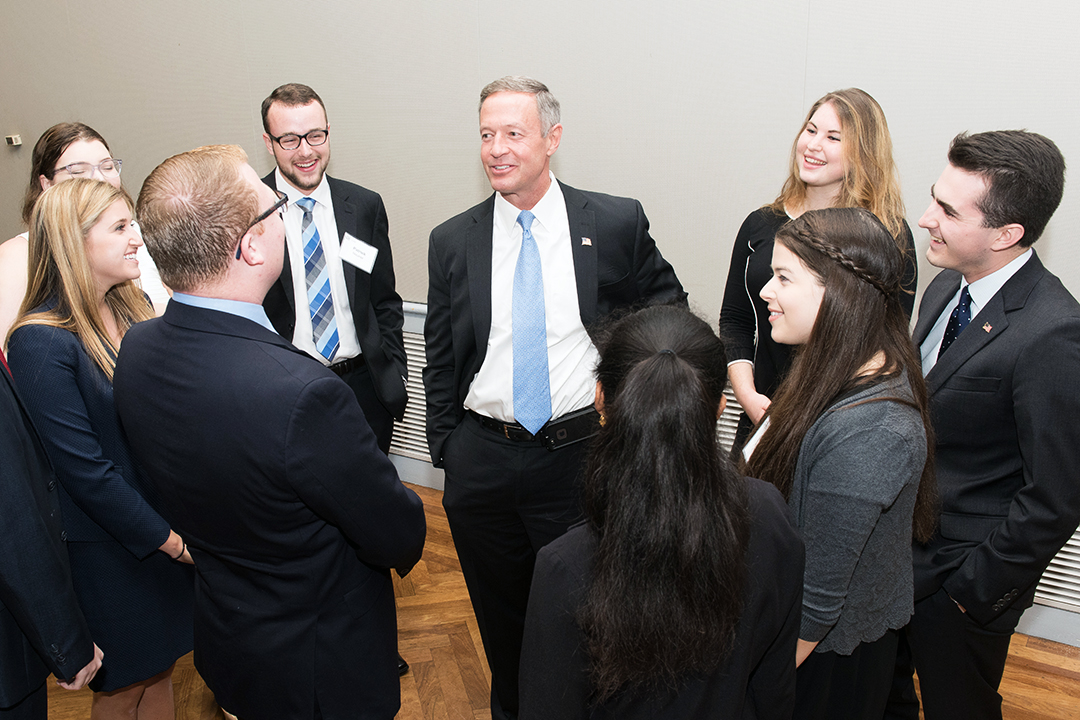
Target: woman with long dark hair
x,y
847,441
679,595
842,157
127,564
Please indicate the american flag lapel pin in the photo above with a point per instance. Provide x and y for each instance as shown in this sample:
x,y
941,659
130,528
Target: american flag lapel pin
x,y
987,327
587,242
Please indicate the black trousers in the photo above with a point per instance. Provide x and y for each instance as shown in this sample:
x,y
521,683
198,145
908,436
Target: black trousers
x,y
34,706
959,662
378,417
829,686
505,500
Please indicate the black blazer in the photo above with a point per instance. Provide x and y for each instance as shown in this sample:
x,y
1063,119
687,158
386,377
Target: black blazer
x,y
376,306
293,515
42,630
756,681
1005,399
616,262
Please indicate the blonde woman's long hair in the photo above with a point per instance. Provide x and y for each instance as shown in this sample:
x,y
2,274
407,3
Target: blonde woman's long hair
x,y
60,270
870,180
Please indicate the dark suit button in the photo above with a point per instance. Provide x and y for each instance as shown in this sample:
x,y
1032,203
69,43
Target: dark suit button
x,y
52,485
54,648
61,659
63,535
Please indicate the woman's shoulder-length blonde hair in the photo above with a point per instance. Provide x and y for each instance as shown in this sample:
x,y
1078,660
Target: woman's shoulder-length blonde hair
x,y
60,273
870,180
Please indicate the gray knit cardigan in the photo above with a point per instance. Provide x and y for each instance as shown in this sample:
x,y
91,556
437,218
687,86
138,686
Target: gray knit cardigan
x,y
853,497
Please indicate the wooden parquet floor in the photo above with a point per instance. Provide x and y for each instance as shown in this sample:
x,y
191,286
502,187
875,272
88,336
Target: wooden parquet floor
x,y
449,678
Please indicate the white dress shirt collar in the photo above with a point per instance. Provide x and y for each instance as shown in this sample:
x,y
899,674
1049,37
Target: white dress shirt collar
x,y
546,211
321,194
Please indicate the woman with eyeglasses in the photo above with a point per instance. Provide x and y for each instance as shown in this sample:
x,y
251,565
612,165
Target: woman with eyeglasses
x,y
64,151
842,157
130,571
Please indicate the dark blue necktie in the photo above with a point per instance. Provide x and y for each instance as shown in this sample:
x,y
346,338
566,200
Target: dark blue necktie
x,y
961,316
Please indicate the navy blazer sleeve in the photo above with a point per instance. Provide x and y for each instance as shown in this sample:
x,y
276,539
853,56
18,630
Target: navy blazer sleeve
x,y
381,517
42,629
52,369
444,410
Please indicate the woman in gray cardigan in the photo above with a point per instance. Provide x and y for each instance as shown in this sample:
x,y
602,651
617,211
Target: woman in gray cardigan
x,y
846,441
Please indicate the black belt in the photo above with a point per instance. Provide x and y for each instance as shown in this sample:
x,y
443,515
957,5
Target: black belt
x,y
340,368
570,428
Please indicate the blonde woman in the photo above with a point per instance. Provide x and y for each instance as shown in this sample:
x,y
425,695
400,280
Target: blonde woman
x,y
127,564
842,157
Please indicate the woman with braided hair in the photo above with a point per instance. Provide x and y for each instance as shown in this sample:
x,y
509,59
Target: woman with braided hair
x,y
847,441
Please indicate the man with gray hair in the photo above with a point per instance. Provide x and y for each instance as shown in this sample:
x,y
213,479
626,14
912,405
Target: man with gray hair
x,y
263,461
514,283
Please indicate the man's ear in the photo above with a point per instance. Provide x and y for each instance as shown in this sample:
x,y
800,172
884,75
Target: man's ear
x,y
1008,236
251,248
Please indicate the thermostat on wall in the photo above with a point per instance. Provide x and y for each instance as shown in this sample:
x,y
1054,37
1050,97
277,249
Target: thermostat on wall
x,y
13,139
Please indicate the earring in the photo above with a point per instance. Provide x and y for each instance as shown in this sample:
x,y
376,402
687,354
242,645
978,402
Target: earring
x,y
603,420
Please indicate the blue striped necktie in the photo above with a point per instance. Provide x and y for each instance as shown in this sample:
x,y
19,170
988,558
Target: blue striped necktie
x,y
320,301
532,389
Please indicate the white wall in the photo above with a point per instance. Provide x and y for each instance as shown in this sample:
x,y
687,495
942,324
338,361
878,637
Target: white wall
x,y
690,105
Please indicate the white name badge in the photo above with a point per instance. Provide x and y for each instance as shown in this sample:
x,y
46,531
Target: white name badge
x,y
358,253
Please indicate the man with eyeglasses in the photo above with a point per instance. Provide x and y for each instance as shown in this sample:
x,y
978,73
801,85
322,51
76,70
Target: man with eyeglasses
x,y
263,461
336,298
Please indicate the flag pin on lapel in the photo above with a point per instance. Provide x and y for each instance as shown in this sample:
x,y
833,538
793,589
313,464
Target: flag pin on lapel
x,y
587,242
987,327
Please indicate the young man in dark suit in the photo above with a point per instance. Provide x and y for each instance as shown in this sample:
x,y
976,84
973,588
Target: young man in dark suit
x,y
1000,343
42,630
264,462
513,285
348,224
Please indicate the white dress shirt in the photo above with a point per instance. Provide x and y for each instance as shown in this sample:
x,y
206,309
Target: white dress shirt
x,y
323,217
981,291
571,354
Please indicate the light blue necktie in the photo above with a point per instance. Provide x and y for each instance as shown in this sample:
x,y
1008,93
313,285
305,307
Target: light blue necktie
x,y
532,389
961,316
320,301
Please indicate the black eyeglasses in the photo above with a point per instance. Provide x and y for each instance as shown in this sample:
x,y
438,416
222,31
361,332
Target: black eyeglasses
x,y
280,206
314,138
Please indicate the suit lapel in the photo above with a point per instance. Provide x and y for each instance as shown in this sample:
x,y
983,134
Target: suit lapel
x,y
583,243
345,217
286,266
939,292
985,327
478,270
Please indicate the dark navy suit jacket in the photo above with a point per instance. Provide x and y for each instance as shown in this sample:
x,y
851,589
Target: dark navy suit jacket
x,y
293,515
1005,399
42,630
